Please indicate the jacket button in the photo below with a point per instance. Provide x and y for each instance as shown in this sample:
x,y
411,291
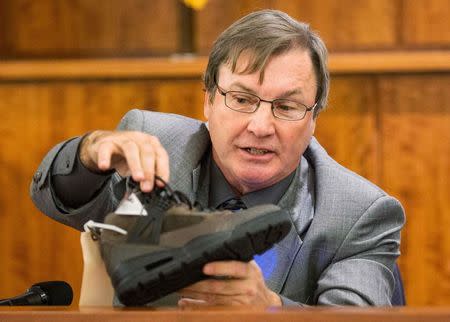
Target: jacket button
x,y
37,176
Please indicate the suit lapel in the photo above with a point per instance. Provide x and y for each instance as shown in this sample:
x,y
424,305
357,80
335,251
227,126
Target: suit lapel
x,y
299,202
276,262
200,181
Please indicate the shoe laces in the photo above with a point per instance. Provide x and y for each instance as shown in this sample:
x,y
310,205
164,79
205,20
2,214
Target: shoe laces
x,y
147,228
168,193
165,192
164,195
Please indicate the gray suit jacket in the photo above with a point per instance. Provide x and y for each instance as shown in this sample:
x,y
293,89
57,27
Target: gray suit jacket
x,y
344,256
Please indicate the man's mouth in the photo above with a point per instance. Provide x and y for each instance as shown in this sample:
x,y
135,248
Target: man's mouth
x,y
256,151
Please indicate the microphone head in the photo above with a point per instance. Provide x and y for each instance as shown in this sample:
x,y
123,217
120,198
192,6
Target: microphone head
x,y
57,292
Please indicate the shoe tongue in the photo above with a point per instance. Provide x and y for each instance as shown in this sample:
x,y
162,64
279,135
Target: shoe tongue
x,y
147,228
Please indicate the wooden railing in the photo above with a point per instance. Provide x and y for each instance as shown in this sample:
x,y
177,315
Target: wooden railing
x,y
228,314
193,66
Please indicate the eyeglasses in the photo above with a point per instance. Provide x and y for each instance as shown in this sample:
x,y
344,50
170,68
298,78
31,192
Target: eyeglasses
x,y
281,108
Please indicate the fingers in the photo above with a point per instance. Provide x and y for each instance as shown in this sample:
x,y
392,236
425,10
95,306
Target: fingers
x,y
214,300
130,153
245,285
222,287
234,269
216,292
155,161
191,302
104,157
242,279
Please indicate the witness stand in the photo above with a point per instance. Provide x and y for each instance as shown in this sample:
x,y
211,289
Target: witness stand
x,y
225,314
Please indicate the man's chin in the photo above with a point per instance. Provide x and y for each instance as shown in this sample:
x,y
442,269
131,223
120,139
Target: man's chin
x,y
255,181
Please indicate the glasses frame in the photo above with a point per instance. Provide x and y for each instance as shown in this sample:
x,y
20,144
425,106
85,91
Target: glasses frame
x,y
224,94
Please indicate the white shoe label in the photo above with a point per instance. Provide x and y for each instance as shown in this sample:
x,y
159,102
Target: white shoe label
x,y
131,206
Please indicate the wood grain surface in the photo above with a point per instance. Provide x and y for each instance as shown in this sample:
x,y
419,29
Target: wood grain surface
x,y
105,28
194,66
348,127
35,117
331,18
79,28
226,314
425,23
415,159
388,117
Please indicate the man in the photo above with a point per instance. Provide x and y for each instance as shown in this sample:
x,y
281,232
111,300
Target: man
x,y
266,82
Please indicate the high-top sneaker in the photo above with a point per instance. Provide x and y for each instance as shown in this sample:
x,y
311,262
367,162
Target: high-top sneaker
x,y
157,243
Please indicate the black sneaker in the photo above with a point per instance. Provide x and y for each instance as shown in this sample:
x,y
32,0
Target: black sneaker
x,y
157,243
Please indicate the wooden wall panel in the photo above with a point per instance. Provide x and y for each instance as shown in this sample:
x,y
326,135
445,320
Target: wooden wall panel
x,y
65,28
49,28
348,127
343,24
213,19
415,145
35,117
392,129
426,23
347,24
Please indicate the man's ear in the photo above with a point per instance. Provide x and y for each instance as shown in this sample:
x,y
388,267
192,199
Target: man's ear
x,y
206,106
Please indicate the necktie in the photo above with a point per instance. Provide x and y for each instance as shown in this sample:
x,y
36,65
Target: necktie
x,y
233,204
267,260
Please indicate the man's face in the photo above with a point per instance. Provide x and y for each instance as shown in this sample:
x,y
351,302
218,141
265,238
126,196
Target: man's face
x,y
257,150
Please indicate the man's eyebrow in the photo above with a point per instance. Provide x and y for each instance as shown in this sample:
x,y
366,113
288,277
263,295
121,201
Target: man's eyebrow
x,y
243,87
291,92
286,94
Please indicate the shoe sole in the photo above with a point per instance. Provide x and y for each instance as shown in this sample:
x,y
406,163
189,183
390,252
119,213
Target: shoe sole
x,y
149,277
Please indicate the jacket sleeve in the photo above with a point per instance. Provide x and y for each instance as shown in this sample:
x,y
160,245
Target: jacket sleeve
x,y
60,160
361,272
42,190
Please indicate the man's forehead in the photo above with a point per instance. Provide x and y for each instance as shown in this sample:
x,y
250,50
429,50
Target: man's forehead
x,y
245,64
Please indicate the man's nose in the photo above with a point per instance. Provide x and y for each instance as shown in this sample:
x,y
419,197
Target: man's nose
x,y
262,122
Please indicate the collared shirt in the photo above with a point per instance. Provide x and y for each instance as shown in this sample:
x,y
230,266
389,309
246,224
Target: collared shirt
x,y
221,191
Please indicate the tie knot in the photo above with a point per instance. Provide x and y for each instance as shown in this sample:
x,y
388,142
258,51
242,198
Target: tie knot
x,y
233,204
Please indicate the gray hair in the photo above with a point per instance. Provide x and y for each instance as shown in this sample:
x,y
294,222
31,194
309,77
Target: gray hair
x,y
264,34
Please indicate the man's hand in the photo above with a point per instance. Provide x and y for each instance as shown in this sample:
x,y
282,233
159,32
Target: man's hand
x,y
130,153
243,285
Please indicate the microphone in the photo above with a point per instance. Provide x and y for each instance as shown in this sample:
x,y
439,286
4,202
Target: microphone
x,y
44,293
